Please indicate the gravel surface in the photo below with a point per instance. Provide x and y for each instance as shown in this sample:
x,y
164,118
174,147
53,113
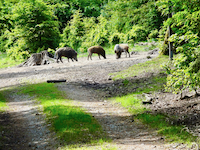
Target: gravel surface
x,y
25,122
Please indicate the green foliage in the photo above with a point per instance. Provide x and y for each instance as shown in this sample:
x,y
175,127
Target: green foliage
x,y
65,9
17,51
124,14
184,70
185,23
35,27
2,103
153,34
116,24
2,109
82,33
6,61
136,34
30,26
72,34
131,102
98,35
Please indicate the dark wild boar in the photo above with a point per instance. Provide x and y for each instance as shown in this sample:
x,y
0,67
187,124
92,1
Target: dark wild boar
x,y
98,50
66,52
119,48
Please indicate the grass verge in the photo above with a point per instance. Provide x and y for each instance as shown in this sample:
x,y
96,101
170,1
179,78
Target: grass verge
x,y
2,109
133,101
7,62
154,65
73,126
172,133
2,102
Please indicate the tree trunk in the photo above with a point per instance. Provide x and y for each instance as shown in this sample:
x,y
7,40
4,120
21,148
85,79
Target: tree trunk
x,y
41,58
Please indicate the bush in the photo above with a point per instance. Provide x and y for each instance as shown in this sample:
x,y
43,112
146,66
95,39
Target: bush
x,y
184,70
136,34
153,34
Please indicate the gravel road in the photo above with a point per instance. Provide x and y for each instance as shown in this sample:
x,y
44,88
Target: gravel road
x,y
25,121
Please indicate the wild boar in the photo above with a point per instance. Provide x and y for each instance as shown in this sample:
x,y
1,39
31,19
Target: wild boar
x,y
119,48
98,50
66,52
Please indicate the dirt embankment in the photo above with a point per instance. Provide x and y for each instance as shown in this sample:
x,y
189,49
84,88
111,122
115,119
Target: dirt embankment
x,y
25,121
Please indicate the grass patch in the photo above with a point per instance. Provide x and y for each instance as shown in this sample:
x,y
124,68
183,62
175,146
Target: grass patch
x,y
153,65
2,102
72,125
155,83
131,102
5,61
2,109
173,133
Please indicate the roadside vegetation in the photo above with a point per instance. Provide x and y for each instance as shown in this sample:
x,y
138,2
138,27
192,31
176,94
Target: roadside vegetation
x,y
2,110
7,61
133,101
152,66
2,102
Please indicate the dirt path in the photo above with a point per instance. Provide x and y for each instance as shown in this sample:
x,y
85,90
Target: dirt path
x,y
26,122
116,121
83,70
25,125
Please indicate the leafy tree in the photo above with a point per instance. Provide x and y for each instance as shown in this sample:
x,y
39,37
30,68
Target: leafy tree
x,y
34,24
65,9
184,72
5,23
123,15
185,24
73,32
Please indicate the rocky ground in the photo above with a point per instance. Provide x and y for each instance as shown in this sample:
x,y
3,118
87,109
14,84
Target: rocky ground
x,y
88,83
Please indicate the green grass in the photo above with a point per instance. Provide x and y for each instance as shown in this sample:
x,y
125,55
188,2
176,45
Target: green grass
x,y
153,65
72,125
133,101
172,133
5,61
2,102
2,109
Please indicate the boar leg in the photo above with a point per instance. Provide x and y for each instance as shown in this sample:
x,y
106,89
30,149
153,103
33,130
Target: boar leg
x,y
128,53
61,59
90,56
